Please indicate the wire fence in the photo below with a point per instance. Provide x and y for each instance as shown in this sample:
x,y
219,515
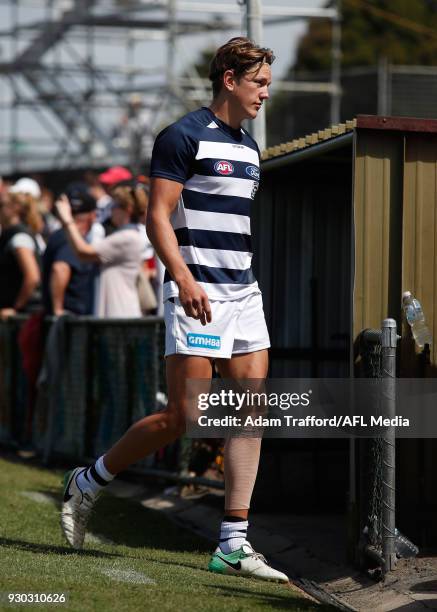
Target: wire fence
x,y
371,90
73,387
377,455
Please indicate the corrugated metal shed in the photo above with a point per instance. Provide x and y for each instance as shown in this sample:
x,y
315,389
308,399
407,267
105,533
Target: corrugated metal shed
x,y
302,244
345,222
394,205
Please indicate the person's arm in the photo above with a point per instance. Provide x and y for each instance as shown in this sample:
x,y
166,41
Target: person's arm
x,y
84,251
164,196
59,278
31,276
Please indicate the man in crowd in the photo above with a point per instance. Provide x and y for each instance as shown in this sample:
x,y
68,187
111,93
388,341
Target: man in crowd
x,y
68,284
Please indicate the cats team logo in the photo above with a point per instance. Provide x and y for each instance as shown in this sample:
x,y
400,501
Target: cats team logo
x,y
224,168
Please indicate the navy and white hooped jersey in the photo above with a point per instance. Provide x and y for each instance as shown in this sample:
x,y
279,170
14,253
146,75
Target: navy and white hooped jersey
x,y
219,168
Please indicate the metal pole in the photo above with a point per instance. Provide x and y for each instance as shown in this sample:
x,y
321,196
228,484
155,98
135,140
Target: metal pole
x,y
383,86
389,340
336,67
257,127
171,53
13,141
91,80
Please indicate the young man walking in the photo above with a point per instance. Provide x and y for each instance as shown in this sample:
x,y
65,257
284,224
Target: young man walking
x,y
205,173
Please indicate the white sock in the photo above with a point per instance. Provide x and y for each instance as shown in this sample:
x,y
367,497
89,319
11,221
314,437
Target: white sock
x,y
95,478
232,535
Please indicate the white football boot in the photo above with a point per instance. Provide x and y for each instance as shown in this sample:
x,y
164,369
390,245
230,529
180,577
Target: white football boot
x,y
76,509
245,562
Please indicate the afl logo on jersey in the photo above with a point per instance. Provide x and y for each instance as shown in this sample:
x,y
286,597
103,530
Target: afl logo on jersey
x,y
224,167
253,172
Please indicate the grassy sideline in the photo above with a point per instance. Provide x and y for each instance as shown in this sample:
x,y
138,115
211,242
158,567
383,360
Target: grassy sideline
x,y
146,563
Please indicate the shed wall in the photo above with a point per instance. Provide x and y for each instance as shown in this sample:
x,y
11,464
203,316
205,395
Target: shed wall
x,y
419,248
301,227
378,177
395,213
301,239
417,459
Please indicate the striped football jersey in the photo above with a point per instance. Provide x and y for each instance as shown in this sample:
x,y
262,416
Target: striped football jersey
x,y
219,169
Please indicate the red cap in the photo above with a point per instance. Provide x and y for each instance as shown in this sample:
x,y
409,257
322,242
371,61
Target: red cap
x,y
115,175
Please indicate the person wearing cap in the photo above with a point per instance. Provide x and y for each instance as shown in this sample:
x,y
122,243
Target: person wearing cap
x,y
26,193
68,283
28,186
19,267
119,254
115,175
101,191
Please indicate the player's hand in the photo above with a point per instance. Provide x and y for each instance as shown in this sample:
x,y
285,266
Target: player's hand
x,y
63,208
195,302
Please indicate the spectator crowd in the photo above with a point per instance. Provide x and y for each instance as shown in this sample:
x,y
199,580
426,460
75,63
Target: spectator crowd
x,y
83,252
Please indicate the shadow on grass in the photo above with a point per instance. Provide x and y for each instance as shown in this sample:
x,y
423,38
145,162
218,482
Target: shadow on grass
x,y
48,548
178,563
126,522
285,599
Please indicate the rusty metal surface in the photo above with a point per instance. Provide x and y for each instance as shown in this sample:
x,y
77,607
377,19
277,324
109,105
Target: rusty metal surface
x,y
402,124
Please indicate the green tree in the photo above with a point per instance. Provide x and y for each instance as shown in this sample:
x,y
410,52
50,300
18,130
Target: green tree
x,y
203,61
403,31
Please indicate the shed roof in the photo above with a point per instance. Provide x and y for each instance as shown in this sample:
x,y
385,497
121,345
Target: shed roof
x,y
307,141
407,124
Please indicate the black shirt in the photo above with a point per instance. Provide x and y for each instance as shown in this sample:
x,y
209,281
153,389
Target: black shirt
x,y
11,275
80,290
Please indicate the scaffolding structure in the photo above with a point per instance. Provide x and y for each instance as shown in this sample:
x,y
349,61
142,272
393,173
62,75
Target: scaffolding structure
x,y
89,83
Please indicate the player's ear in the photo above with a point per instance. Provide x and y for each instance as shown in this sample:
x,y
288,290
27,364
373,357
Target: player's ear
x,y
229,80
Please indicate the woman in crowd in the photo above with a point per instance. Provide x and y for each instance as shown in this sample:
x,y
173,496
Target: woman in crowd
x,y
26,194
19,268
119,254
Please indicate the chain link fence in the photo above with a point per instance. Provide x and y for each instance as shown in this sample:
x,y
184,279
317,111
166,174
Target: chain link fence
x,y
371,90
377,349
96,378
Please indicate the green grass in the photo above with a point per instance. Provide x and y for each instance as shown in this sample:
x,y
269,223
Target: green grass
x,y
35,558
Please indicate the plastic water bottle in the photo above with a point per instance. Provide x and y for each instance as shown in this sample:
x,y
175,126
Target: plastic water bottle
x,y
416,320
404,548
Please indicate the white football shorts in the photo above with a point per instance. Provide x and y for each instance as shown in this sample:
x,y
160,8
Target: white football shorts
x,y
237,326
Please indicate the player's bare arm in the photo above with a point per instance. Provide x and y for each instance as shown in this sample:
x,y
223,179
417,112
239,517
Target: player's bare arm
x,y
164,196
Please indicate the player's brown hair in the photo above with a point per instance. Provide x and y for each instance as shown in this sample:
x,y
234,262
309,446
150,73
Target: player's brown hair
x,y
239,54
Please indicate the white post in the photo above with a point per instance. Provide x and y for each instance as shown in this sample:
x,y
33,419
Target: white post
x,y
257,127
171,55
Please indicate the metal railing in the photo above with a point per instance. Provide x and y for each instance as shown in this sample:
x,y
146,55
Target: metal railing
x,y
96,377
71,386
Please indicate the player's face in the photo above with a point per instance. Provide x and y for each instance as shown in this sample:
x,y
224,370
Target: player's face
x,y
251,90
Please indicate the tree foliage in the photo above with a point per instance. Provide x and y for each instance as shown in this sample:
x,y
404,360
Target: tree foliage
x,y
403,31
